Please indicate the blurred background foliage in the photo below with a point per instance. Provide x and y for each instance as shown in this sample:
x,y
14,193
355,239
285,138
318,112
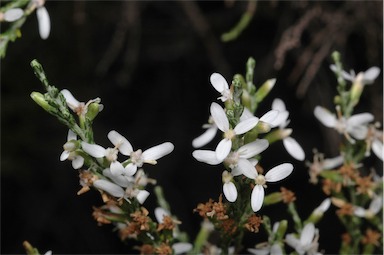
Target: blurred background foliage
x,y
150,63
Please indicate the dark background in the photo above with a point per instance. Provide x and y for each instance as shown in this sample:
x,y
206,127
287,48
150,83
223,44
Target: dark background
x,y
150,63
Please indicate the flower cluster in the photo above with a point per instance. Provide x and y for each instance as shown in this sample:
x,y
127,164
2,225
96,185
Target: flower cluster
x,y
117,172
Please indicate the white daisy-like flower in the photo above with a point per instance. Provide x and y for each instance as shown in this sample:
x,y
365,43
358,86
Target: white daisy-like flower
x,y
221,120
121,145
290,144
275,174
367,77
79,108
117,191
13,14
320,164
246,152
266,248
229,188
221,85
355,126
69,151
374,208
308,241
207,136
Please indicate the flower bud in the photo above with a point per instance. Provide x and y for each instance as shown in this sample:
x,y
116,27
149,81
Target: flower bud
x,y
93,110
40,100
264,90
272,198
357,89
278,134
281,229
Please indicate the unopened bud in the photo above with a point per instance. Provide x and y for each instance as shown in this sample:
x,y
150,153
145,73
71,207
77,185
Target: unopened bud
x,y
357,89
93,110
263,91
273,198
40,100
278,134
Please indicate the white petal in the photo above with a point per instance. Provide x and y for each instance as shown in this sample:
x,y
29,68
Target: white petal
x,y
160,213
376,205
71,100
246,125
230,191
294,149
360,119
280,120
205,138
323,206
142,196
259,251
377,148
333,162
48,253
279,105
246,114
130,169
252,149
206,156
279,172
77,162
123,145
219,82
71,135
181,248
292,241
276,249
109,187
64,155
270,116
359,211
219,117
223,149
44,22
13,14
247,168
358,132
325,117
371,74
158,151
307,234
116,168
120,180
93,149
257,198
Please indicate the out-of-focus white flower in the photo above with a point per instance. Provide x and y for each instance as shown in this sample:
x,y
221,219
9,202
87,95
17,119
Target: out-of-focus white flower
x,y
374,208
80,108
367,77
69,151
275,174
355,126
308,241
207,136
323,207
229,188
291,145
221,85
181,247
374,141
319,164
266,248
221,120
13,14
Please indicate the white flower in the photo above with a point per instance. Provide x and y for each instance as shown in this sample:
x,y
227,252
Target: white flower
x,y
367,77
221,85
374,208
221,120
117,191
207,136
308,242
181,247
246,152
229,188
319,164
149,156
275,174
69,151
291,145
323,207
121,145
356,125
79,108
13,14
